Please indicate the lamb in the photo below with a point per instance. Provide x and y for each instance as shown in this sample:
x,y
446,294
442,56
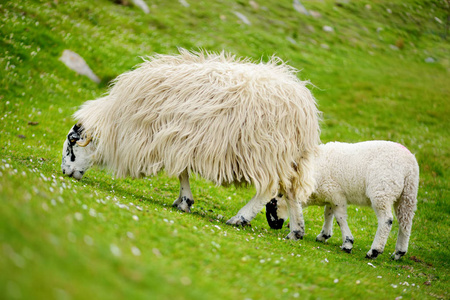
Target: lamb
x,y
375,173
227,119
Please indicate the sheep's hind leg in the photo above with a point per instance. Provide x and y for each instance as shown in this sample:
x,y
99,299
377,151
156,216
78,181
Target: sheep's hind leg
x,y
327,229
185,199
250,210
385,218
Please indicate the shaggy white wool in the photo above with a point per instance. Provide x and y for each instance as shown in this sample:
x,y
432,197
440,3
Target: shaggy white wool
x,y
227,119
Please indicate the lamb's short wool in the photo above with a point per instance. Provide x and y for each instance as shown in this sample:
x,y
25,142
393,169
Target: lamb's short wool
x,y
227,119
379,174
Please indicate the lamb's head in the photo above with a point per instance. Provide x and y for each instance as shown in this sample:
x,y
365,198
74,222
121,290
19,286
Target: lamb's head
x,y
77,153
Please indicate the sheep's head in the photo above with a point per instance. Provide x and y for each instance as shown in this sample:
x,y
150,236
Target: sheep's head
x,y
77,153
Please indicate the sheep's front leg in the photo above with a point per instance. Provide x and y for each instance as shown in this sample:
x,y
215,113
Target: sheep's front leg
x,y
327,229
340,213
185,199
383,211
250,210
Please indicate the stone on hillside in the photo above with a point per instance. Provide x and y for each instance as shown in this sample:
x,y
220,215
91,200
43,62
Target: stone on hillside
x,y
310,28
184,3
254,5
77,64
300,8
315,14
430,60
438,20
242,18
291,40
142,5
328,28
393,47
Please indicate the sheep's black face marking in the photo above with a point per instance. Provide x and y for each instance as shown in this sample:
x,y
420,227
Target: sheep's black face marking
x,y
272,216
72,138
389,222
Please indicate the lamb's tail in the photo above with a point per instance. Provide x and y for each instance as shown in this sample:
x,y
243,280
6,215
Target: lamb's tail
x,y
405,209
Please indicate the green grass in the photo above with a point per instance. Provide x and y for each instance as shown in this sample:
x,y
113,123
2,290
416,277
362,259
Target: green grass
x,y
64,239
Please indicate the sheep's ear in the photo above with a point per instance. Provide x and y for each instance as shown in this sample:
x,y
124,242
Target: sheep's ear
x,y
77,128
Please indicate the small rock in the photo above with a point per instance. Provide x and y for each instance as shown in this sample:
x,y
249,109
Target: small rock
x,y
291,40
75,62
254,5
156,252
142,5
368,7
393,47
242,18
315,14
115,250
135,251
325,46
328,28
430,60
33,123
184,3
300,8
310,28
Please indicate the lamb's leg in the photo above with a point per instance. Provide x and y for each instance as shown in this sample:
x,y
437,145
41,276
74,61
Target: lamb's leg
x,y
382,208
404,210
340,213
327,229
296,221
404,231
251,209
185,199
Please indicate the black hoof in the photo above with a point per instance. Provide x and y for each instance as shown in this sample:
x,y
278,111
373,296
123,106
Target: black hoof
x,y
374,254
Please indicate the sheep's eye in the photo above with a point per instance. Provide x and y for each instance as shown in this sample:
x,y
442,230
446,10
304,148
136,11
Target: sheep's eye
x,y
72,140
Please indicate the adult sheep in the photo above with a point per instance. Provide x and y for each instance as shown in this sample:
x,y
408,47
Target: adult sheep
x,y
380,174
227,119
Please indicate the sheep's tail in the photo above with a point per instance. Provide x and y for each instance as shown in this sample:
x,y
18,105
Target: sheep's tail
x,y
405,209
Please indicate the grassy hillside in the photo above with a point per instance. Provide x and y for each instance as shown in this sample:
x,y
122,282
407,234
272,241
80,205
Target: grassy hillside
x,y
382,72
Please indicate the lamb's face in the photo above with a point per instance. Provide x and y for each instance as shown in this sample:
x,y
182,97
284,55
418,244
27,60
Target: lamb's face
x,y
76,157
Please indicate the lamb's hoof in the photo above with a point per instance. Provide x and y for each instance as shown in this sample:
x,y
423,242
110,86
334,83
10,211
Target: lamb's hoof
x,y
184,204
348,250
238,221
295,235
372,254
322,237
397,255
